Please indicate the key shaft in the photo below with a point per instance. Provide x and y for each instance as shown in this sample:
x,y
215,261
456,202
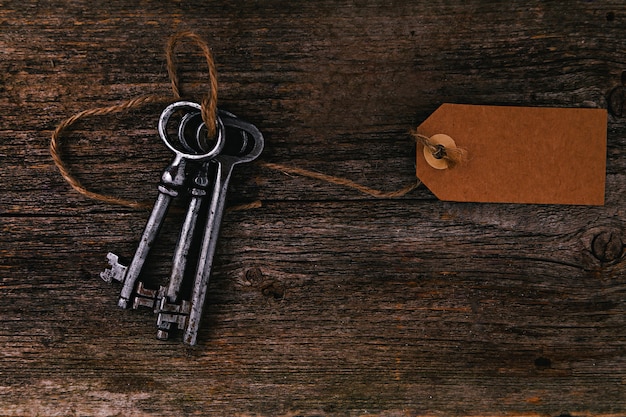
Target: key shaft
x,y
207,251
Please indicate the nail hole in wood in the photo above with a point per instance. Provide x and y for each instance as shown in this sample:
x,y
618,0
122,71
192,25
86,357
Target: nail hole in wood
x,y
543,363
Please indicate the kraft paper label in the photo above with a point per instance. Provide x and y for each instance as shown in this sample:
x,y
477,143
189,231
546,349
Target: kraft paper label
x,y
519,154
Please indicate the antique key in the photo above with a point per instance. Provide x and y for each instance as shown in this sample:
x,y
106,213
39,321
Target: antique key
x,y
198,192
172,182
236,142
247,148
166,299
169,311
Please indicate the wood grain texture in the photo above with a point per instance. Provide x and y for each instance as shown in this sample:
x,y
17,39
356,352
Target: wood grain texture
x,y
323,301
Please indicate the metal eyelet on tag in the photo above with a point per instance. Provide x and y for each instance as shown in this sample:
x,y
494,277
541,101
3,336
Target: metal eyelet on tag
x,y
436,160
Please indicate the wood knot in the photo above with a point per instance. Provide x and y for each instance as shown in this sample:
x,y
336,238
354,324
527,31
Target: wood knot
x,y
270,288
273,289
607,246
254,275
617,97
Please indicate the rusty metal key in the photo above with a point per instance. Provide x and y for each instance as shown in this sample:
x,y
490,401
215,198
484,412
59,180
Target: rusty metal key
x,y
245,144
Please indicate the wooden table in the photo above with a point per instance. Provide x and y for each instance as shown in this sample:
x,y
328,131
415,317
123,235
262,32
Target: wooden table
x,y
324,301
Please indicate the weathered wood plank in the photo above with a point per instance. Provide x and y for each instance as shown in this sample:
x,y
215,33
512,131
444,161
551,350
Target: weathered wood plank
x,y
381,324
323,301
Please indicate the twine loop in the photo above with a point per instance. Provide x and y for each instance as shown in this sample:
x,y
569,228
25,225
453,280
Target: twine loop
x,y
209,116
209,101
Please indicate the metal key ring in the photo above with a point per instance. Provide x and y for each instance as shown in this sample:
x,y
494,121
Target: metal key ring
x,y
193,145
181,150
234,147
182,138
252,142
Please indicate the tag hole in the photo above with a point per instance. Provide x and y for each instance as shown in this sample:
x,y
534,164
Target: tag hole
x,y
440,152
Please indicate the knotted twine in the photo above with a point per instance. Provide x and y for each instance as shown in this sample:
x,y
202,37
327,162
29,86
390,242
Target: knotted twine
x,y
209,114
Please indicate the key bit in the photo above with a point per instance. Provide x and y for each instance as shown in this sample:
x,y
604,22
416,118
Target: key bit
x,y
117,271
171,313
145,297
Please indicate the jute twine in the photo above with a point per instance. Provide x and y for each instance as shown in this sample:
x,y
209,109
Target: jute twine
x,y
209,114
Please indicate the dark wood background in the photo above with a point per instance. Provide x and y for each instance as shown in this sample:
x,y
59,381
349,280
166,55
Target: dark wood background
x,y
324,301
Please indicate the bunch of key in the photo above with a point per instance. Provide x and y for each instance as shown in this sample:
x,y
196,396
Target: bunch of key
x,y
201,170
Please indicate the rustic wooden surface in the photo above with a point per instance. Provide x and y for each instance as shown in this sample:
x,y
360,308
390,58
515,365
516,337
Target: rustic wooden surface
x,y
324,301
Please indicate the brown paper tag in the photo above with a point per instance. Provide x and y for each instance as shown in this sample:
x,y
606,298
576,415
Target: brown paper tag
x,y
519,154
